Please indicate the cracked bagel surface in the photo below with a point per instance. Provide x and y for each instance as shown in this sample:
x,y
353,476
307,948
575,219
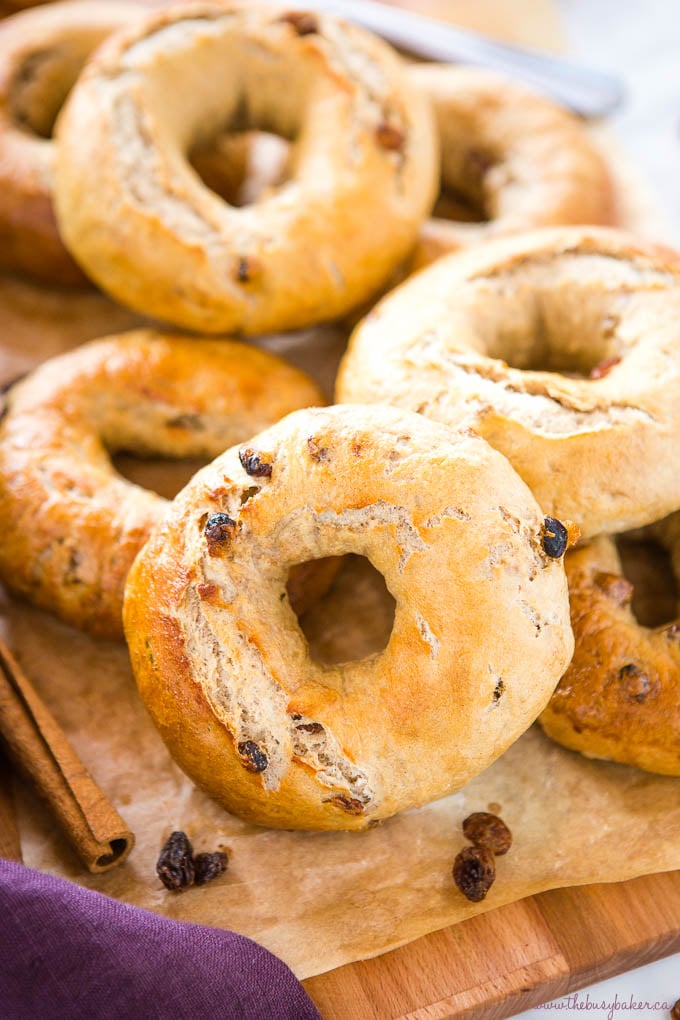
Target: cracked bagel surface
x,y
481,630
561,347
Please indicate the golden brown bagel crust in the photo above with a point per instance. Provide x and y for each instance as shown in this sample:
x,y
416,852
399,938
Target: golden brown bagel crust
x,y
151,233
620,697
481,630
41,53
71,525
517,157
598,448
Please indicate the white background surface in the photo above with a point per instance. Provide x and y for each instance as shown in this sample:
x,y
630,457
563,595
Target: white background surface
x,y
640,41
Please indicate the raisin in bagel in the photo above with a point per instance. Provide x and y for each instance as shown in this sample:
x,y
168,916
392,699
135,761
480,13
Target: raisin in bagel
x,y
41,54
71,525
514,158
155,237
225,671
620,697
561,347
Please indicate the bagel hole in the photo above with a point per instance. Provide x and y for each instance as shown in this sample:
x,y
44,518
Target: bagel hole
x,y
464,195
542,339
41,86
353,620
648,567
242,167
165,477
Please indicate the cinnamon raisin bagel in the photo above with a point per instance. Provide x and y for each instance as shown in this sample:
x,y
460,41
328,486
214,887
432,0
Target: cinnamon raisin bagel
x,y
155,237
71,525
513,159
41,54
561,347
224,669
620,697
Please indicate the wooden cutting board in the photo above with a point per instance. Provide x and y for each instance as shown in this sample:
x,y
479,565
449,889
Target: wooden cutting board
x,y
526,953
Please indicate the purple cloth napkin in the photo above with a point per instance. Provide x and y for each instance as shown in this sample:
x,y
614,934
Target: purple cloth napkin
x,y
67,953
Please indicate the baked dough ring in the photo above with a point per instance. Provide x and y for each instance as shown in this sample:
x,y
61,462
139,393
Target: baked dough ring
x,y
150,232
41,54
71,525
599,449
517,157
222,664
620,697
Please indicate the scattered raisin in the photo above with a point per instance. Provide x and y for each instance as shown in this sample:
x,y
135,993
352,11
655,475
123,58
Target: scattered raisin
x,y
498,691
219,529
389,136
254,464
488,831
615,587
253,757
604,368
209,866
635,682
175,865
555,538
302,22
474,872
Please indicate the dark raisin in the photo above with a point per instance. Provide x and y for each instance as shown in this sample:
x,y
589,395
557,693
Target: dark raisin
x,y
555,538
302,22
254,464
219,529
498,691
389,136
489,831
474,872
635,682
252,757
247,267
175,866
617,588
349,804
310,727
209,866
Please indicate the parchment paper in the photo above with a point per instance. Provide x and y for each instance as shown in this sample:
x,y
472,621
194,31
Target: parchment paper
x,y
317,900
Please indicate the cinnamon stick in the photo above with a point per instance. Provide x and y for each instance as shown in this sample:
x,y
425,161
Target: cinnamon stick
x,y
38,747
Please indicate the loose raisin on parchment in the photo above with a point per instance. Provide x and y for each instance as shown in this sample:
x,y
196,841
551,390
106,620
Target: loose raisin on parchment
x,y
489,831
474,872
209,866
175,866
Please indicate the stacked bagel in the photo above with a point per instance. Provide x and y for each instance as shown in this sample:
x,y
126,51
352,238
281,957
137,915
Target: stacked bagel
x,y
519,389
